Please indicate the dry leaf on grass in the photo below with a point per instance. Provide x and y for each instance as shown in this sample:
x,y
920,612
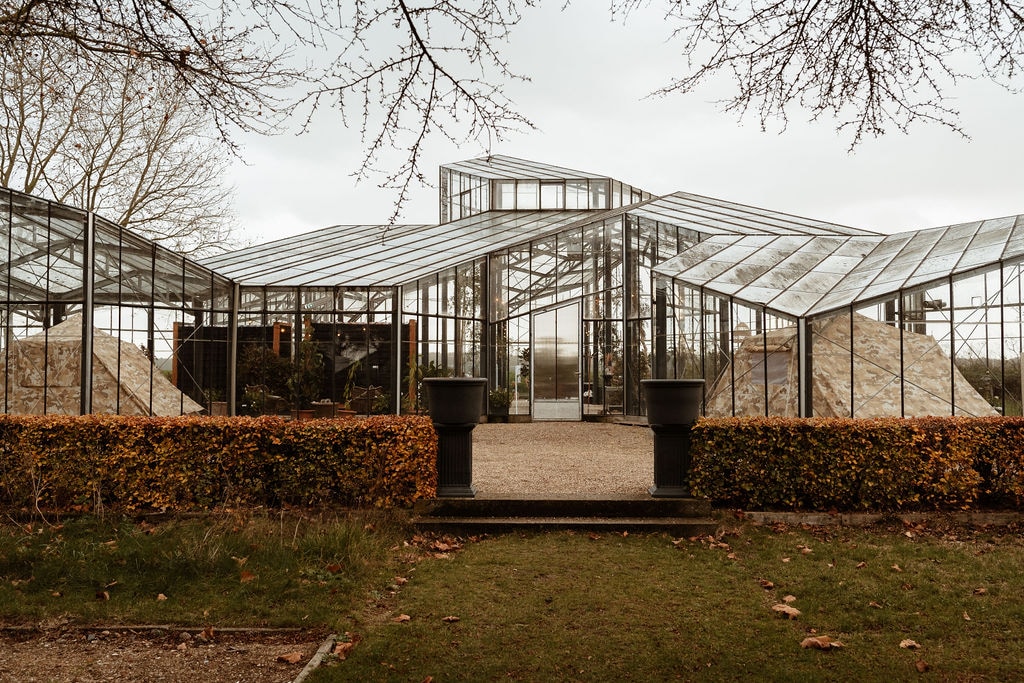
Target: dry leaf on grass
x,y
980,591
896,568
450,619
333,568
908,644
967,617
402,618
102,595
861,565
290,658
401,580
766,584
921,666
160,597
820,643
246,576
874,604
786,610
341,650
789,598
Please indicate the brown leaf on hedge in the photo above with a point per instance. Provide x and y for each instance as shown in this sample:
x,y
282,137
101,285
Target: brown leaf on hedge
x,y
246,576
290,658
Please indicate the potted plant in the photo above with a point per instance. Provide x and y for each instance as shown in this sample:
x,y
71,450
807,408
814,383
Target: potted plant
x,y
498,401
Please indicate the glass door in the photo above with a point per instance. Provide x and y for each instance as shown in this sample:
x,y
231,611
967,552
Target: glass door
x,y
556,364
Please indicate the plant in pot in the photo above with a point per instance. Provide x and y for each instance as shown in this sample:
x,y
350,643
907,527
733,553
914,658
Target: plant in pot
x,y
498,401
306,379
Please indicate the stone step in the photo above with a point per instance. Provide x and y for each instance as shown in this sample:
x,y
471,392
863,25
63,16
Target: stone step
x,y
680,527
682,517
564,506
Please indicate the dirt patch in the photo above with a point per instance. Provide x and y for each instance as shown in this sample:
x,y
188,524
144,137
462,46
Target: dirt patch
x,y
152,655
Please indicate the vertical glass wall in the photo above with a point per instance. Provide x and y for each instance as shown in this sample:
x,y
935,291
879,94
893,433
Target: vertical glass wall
x,y
952,348
442,328
321,348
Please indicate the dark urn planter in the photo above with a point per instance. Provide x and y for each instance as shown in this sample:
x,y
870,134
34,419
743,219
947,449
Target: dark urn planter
x,y
455,407
673,405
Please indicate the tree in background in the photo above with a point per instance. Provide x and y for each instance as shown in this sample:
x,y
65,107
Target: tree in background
x,y
116,136
402,71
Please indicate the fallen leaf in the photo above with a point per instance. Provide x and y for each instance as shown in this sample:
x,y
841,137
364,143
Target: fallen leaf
x,y
208,633
334,568
861,565
731,556
820,643
908,534
182,646
624,535
967,617
247,576
290,658
401,580
450,619
785,559
57,594
980,591
921,666
766,584
874,604
896,568
341,650
786,610
594,536
908,644
160,597
428,679
402,618
102,595
788,599
240,560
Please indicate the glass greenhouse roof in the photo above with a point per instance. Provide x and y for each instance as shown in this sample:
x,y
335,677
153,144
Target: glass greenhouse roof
x,y
47,258
498,167
381,255
801,275
717,217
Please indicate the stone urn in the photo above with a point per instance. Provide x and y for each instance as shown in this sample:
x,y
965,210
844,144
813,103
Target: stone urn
x,y
455,407
673,405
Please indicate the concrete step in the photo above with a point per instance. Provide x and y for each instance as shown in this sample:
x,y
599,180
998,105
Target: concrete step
x,y
468,526
565,506
683,517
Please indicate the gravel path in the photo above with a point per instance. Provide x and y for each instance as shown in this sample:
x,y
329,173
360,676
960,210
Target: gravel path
x,y
562,458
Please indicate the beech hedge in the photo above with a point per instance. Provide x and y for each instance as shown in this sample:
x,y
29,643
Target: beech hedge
x,y
883,464
197,463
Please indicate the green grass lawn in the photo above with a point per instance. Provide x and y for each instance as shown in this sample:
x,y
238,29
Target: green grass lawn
x,y
547,606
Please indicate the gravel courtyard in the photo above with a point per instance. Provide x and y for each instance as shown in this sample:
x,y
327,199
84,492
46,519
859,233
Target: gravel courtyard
x,y
563,459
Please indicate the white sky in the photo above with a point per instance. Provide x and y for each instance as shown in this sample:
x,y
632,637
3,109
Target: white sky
x,y
589,78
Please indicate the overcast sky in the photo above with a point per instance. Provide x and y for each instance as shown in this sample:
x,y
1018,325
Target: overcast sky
x,y
587,99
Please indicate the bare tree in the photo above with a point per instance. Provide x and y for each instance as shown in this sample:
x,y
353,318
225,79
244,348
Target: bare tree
x,y
114,136
869,64
404,70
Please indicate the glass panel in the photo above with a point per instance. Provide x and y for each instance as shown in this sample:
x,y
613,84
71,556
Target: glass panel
x,y
598,194
576,195
527,195
556,364
504,195
552,196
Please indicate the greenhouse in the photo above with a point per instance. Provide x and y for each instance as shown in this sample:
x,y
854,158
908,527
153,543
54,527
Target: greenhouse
x,y
564,288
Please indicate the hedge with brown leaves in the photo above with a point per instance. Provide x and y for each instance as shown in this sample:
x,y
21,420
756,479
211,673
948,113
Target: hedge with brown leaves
x,y
197,463
873,464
